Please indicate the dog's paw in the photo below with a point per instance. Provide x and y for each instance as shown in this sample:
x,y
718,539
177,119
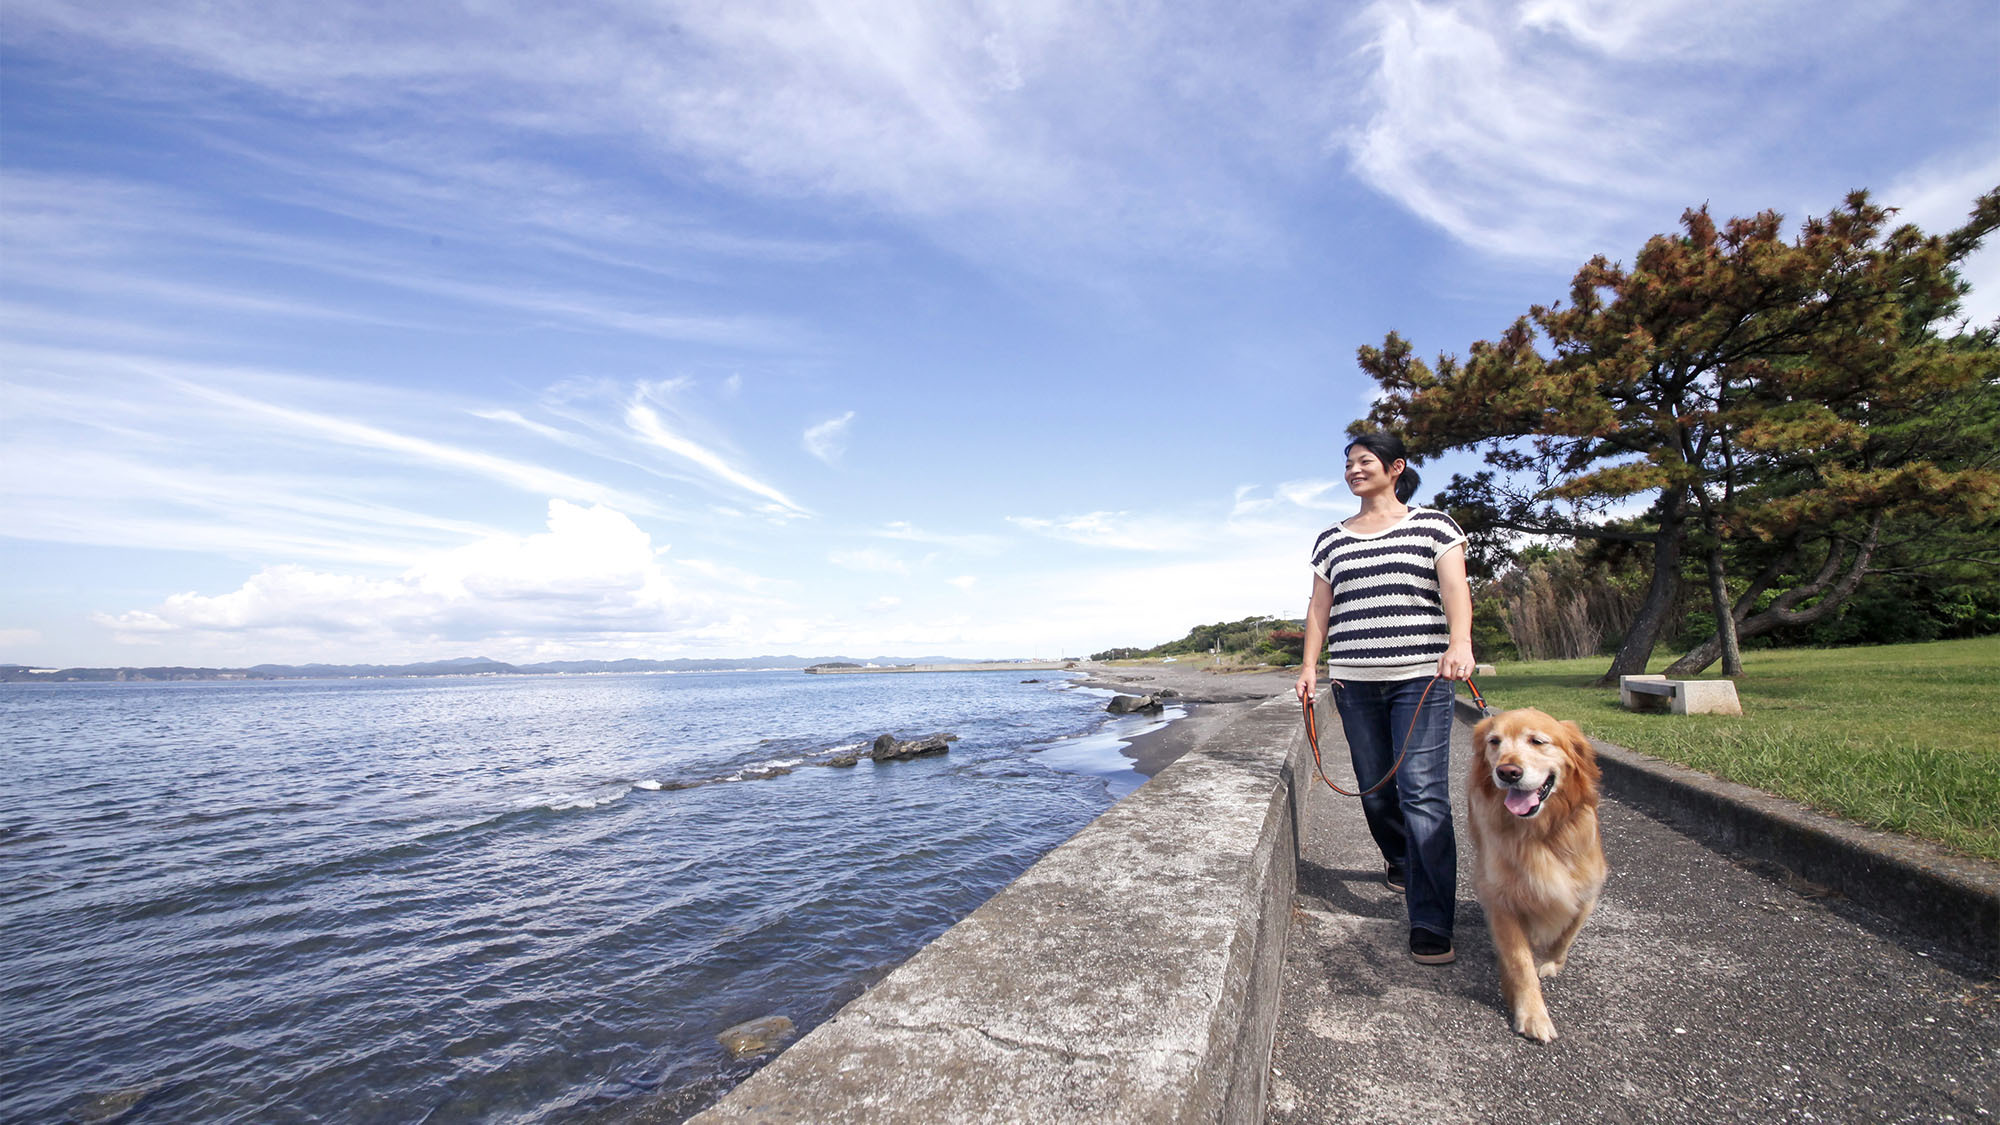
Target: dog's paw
x,y
1536,1026
1547,969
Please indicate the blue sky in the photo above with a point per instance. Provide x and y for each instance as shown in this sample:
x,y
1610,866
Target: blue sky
x,y
349,332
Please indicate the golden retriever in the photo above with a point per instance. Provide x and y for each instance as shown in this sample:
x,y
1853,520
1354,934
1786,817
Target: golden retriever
x,y
1532,795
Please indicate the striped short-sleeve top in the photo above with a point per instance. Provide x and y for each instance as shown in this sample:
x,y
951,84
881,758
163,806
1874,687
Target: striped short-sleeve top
x,y
1388,618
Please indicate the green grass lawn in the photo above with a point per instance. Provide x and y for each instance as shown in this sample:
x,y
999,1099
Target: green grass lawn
x,y
1901,737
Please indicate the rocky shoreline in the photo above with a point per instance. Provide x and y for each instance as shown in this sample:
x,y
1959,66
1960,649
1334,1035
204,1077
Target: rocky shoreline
x,y
1213,699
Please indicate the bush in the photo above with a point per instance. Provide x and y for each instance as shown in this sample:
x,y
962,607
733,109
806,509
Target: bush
x,y
1285,646
1568,603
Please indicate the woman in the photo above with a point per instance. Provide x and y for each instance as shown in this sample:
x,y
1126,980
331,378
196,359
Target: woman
x,y
1390,600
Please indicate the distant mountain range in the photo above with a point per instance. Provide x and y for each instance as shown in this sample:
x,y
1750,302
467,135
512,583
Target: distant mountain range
x,y
462,666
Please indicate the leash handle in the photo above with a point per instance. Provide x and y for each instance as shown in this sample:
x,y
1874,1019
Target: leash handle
x,y
1312,737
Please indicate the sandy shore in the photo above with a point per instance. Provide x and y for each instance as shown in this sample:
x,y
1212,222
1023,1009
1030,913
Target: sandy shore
x,y
1212,699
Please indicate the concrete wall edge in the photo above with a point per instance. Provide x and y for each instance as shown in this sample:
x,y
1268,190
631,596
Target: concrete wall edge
x,y
1131,974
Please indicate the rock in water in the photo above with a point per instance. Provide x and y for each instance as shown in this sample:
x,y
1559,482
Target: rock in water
x,y
1132,704
889,748
103,1109
756,1037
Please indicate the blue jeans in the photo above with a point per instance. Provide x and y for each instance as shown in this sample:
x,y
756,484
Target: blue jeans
x,y
1410,818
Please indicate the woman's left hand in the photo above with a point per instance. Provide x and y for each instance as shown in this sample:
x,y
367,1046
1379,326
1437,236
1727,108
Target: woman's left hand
x,y
1456,663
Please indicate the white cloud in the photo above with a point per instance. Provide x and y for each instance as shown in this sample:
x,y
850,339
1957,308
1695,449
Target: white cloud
x,y
964,581
593,572
1938,197
867,560
19,639
828,440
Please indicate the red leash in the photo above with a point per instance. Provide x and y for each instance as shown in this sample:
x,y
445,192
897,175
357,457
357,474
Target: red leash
x,y
1312,737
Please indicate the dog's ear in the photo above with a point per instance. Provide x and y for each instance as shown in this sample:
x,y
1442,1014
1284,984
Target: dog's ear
x,y
1580,749
1480,732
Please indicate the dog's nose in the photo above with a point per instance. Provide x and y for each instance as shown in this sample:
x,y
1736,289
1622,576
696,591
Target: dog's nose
x,y
1508,774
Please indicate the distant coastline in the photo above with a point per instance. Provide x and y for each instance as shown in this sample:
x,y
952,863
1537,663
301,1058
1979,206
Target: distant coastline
x,y
463,666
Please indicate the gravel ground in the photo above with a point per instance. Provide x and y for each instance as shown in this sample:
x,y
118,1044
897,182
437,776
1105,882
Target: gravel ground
x,y
1702,990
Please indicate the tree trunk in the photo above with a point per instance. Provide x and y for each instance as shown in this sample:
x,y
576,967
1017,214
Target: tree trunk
x,y
1725,613
1644,632
1781,611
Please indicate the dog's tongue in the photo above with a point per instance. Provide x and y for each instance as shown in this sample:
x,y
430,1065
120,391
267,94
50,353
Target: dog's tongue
x,y
1521,802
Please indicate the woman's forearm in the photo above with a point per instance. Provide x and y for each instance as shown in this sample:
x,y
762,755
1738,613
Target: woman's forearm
x,y
1458,614
1456,594
1317,609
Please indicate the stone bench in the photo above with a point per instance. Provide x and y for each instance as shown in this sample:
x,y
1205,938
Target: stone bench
x,y
1682,697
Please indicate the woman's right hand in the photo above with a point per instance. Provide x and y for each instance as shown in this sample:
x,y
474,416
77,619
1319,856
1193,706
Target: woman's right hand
x,y
1308,684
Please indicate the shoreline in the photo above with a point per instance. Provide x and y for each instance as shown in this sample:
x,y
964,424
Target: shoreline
x,y
1213,700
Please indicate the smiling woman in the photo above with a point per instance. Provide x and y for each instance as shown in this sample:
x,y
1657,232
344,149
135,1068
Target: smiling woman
x,y
1391,606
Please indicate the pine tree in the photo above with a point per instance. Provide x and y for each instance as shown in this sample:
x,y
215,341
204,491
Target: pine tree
x,y
1750,389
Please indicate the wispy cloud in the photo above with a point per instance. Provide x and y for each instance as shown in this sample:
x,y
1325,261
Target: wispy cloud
x,y
828,440
105,237
972,543
1317,495
996,126
1509,136
867,560
77,495
138,451
1121,531
1548,130
646,422
519,474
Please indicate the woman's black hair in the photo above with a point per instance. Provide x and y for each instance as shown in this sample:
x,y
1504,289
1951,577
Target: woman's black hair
x,y
1388,449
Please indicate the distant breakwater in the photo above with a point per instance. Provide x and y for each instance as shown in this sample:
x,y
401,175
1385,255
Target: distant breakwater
x,y
985,666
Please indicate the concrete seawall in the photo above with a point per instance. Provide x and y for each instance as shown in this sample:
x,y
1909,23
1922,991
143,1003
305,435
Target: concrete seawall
x,y
1130,975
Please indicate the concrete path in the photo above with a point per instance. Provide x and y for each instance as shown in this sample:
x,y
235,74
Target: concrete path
x,y
1701,991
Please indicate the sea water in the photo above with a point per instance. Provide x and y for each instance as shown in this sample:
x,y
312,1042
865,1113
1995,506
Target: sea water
x,y
492,898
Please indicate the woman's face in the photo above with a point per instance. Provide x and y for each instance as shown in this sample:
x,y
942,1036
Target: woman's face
x,y
1366,474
